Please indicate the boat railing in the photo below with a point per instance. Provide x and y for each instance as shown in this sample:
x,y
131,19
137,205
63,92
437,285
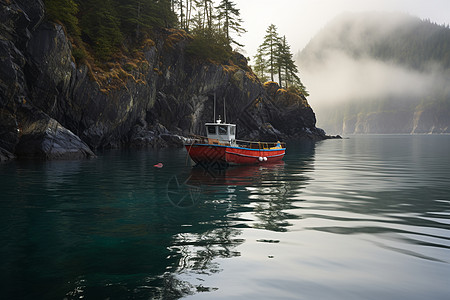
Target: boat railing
x,y
198,139
261,145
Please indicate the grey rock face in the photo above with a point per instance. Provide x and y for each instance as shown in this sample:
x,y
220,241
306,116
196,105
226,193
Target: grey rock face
x,y
51,108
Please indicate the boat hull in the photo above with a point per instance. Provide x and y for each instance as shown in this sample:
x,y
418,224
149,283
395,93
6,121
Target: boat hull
x,y
229,155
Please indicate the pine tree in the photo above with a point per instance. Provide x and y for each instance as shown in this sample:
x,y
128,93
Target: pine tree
x,y
269,49
188,12
286,62
204,14
208,13
209,41
274,56
260,66
182,15
100,26
131,16
280,61
167,18
289,68
230,15
137,16
189,7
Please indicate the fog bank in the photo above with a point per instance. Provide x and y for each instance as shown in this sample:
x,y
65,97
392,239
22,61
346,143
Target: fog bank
x,y
339,78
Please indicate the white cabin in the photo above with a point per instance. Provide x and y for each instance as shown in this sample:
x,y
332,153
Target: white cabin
x,y
224,133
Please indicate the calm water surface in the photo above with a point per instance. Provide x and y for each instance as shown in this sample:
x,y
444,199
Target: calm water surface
x,y
360,218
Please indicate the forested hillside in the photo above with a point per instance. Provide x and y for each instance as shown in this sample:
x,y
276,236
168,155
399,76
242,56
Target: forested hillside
x,y
393,37
107,28
380,73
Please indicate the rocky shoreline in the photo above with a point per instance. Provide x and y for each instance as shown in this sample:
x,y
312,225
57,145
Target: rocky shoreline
x,y
52,108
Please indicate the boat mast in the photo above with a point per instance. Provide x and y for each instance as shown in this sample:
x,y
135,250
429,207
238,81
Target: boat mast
x,y
214,120
224,113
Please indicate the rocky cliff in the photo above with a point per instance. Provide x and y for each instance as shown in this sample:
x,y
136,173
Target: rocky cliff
x,y
411,117
50,107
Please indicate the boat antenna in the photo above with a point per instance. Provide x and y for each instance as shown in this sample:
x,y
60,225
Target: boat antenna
x,y
214,120
224,113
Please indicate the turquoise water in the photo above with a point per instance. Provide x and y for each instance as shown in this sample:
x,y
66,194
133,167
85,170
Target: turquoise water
x,y
361,218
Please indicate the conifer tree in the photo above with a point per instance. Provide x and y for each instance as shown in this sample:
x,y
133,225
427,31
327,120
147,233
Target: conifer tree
x,y
274,56
230,15
204,17
289,69
269,49
189,7
286,62
137,16
260,66
100,25
208,13
167,18
182,15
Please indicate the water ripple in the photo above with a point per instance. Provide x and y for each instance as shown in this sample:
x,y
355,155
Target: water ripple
x,y
367,217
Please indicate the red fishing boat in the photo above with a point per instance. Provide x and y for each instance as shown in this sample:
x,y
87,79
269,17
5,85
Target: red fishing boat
x,y
220,146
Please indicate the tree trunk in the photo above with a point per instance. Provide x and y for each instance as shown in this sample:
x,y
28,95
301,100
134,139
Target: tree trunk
x,y
138,25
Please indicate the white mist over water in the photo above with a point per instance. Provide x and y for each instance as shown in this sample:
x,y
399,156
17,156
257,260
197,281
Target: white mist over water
x,y
339,64
379,69
340,78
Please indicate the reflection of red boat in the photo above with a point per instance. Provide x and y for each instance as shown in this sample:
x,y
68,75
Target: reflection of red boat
x,y
220,146
233,176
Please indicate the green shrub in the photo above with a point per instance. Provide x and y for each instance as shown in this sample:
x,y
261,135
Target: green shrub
x,y
208,45
64,11
79,54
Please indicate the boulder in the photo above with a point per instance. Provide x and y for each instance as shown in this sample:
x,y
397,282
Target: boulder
x,y
44,138
5,155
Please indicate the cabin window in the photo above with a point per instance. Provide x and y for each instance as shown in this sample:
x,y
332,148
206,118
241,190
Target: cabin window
x,y
223,130
233,130
211,129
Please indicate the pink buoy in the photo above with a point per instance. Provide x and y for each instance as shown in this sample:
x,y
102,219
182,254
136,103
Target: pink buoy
x,y
158,165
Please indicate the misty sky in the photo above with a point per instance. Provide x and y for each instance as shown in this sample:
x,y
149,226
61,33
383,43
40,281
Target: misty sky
x,y
339,78
300,20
